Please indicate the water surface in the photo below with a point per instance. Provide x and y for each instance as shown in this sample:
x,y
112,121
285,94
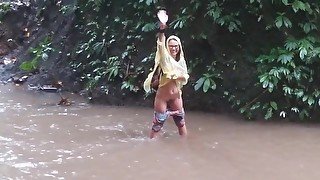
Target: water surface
x,y
41,140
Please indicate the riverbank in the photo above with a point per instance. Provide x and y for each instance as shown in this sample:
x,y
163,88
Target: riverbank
x,y
23,33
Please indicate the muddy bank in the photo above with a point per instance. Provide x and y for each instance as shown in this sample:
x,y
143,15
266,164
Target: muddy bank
x,y
21,35
27,26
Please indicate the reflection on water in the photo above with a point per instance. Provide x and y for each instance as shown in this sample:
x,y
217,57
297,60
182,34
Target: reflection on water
x,y
41,140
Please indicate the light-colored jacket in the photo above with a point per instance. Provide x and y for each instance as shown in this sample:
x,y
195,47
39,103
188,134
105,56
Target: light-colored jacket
x,y
171,68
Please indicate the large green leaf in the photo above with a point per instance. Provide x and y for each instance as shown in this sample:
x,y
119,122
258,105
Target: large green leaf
x,y
199,83
149,27
206,85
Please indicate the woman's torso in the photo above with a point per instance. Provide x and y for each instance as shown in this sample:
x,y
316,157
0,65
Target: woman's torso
x,y
168,91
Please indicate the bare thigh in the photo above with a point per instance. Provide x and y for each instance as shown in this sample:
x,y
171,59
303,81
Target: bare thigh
x,y
160,105
176,104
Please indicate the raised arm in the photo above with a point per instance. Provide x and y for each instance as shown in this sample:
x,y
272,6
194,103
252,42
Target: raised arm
x,y
161,36
163,18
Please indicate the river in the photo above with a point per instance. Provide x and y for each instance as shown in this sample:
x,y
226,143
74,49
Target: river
x,y
42,140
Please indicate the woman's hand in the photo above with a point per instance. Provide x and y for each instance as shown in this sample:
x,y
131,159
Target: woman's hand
x,y
163,17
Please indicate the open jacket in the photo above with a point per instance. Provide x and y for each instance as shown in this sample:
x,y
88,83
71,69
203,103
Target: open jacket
x,y
171,68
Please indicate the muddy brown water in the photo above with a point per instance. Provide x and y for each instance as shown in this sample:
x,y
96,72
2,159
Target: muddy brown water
x,y
40,140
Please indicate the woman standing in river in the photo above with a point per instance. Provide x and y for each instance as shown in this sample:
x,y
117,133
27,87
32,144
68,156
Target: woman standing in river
x,y
173,75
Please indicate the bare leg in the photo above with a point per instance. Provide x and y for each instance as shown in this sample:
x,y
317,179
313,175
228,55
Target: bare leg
x,y
183,131
159,106
152,134
177,105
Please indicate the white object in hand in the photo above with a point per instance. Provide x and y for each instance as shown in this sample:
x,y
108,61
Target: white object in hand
x,y
163,17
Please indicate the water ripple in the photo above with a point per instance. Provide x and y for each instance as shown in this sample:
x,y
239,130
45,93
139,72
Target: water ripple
x,y
5,139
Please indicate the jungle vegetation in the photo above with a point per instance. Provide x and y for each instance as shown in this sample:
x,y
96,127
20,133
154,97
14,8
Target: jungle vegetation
x,y
262,57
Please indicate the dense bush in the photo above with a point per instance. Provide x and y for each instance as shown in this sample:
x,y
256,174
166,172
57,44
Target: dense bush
x,y
261,56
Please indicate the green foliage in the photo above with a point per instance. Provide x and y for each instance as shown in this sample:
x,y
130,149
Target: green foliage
x,y
215,11
107,69
5,7
130,85
274,44
287,75
208,80
282,20
68,9
109,44
289,71
40,52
